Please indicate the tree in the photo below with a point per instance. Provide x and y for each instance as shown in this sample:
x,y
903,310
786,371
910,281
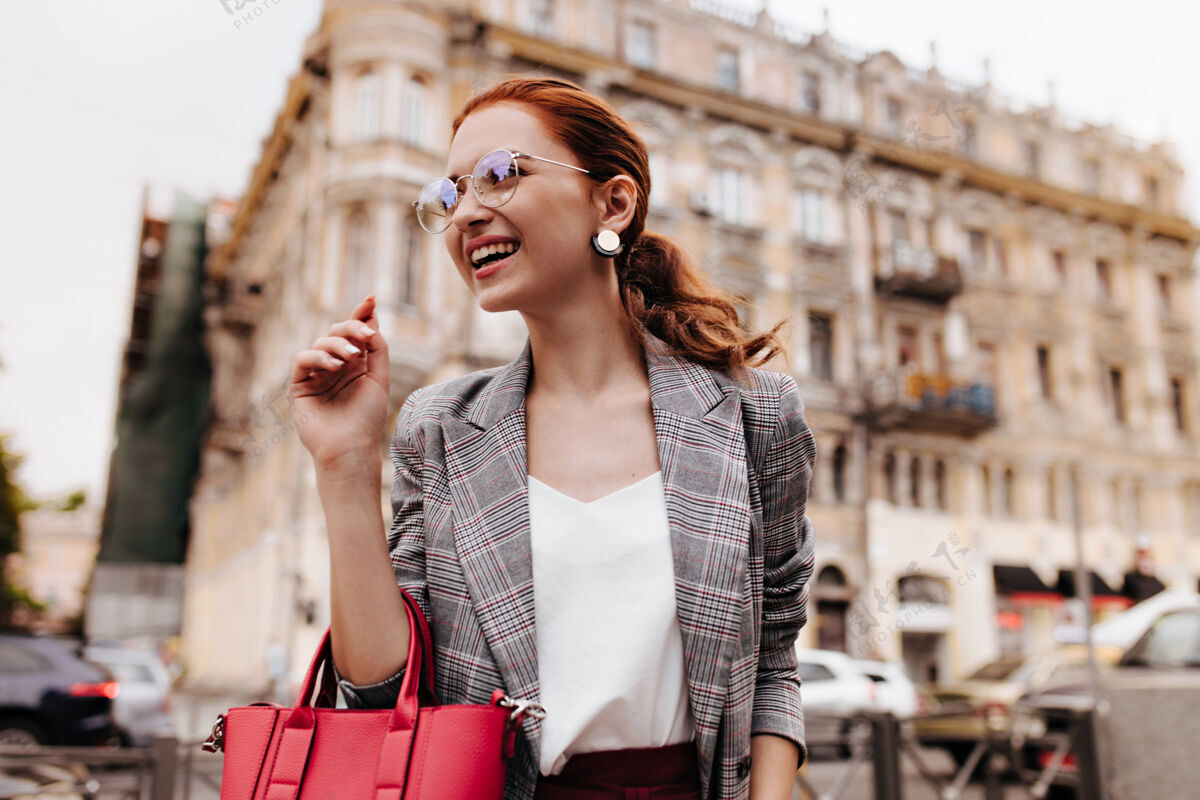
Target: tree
x,y
13,501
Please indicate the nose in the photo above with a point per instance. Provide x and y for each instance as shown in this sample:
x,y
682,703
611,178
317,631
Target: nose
x,y
469,211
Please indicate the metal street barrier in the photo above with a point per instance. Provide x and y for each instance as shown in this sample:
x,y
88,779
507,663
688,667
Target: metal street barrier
x,y
165,771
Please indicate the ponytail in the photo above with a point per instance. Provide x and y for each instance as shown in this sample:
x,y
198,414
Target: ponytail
x,y
665,291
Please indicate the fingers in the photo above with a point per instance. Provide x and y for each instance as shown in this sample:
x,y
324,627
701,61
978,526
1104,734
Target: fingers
x,y
364,310
357,333
309,363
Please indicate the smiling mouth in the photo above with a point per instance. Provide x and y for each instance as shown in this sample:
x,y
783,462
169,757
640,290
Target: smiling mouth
x,y
492,253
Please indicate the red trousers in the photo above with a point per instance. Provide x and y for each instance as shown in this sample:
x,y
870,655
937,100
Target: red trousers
x,y
635,774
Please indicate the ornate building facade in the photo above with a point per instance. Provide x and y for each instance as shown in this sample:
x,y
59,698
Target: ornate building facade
x,y
989,307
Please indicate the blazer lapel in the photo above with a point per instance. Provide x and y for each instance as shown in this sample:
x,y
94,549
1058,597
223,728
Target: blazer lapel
x,y
702,450
485,455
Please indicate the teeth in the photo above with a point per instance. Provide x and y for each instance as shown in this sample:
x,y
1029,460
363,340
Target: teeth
x,y
481,253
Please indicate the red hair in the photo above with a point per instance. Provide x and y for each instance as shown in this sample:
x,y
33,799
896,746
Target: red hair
x,y
662,288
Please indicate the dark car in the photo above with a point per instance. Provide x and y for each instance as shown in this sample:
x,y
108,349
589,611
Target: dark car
x,y
50,695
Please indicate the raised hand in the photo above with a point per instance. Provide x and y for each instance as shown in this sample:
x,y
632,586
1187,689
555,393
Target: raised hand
x,y
338,392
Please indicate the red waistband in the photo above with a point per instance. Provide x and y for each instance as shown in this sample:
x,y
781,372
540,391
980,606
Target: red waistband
x,y
633,774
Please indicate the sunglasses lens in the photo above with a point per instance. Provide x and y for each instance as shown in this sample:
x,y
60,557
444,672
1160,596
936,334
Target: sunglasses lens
x,y
435,205
495,178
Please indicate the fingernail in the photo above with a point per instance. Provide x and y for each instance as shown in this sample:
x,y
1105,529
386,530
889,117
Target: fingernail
x,y
351,350
366,331
334,360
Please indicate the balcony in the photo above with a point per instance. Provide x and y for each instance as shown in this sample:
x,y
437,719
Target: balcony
x,y
918,272
930,403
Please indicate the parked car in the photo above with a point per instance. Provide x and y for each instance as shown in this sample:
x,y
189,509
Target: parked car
x,y
49,694
1173,642
1168,651
894,691
959,715
143,706
833,690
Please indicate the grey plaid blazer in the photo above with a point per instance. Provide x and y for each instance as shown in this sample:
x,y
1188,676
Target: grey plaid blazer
x,y
736,462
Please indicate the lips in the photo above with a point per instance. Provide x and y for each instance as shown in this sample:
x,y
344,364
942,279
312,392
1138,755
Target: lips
x,y
488,254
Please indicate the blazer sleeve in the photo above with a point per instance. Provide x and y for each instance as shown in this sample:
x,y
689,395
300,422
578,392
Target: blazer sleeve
x,y
406,545
785,472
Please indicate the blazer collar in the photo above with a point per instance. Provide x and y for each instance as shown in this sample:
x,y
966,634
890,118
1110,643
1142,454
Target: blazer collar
x,y
702,453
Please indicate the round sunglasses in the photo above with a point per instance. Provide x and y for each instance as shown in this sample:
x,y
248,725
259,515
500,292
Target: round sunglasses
x,y
493,180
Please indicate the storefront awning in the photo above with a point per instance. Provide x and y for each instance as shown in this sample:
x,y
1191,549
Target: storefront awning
x,y
1102,594
1020,583
1138,587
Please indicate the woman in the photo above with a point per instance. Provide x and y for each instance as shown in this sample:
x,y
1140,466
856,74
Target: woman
x,y
611,525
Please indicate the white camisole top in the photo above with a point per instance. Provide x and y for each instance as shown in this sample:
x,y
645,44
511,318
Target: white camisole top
x,y
610,654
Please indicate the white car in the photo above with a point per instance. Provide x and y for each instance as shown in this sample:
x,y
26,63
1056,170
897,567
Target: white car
x,y
142,706
894,691
833,690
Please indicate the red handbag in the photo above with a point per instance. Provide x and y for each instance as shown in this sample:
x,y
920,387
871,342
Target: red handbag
x,y
415,751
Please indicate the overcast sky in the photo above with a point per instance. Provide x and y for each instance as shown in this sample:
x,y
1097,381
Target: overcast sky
x,y
98,98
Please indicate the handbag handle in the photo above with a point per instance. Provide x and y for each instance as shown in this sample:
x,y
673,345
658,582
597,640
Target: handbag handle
x,y
419,667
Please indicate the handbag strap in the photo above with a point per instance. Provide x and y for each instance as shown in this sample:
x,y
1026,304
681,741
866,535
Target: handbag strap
x,y
295,743
420,654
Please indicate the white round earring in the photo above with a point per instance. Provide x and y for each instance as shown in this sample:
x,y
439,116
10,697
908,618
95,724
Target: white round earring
x,y
607,243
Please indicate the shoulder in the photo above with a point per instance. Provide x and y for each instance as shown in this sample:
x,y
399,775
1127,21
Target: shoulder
x,y
773,415
432,405
769,398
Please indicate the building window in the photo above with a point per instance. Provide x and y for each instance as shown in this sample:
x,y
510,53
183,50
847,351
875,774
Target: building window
x,y
810,92
640,44
889,478
1104,289
1091,176
1151,191
906,352
897,225
967,139
366,107
820,346
976,250
985,475
914,481
1164,293
1116,391
410,261
539,17
1000,256
939,484
1052,494
357,271
839,473
732,196
1043,371
1060,268
1179,405
1033,159
1192,501
727,69
1009,494
413,111
808,207
1136,520
892,111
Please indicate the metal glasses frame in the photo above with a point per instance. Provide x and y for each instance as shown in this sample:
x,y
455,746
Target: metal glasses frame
x,y
459,194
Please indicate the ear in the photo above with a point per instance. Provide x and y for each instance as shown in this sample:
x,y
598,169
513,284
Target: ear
x,y
616,201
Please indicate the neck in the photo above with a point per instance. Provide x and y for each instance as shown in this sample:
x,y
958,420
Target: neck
x,y
583,351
